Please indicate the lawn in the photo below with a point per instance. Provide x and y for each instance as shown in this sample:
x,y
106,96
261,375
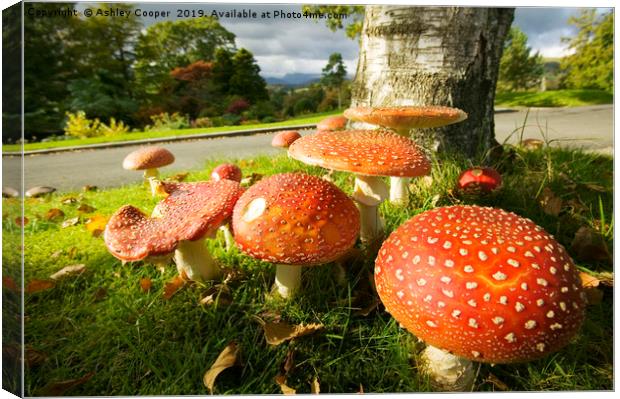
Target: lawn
x,y
308,119
106,328
553,98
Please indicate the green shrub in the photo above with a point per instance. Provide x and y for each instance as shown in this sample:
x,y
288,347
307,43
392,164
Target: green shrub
x,y
165,121
78,125
202,122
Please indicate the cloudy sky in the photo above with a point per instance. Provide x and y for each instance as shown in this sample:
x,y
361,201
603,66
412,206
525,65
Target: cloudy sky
x,y
291,45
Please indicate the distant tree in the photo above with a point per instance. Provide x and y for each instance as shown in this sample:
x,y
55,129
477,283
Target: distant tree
x,y
223,70
591,64
245,80
193,89
518,68
11,73
352,23
171,44
334,74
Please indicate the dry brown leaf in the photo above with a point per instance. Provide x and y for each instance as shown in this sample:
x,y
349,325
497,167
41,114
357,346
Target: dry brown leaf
x,y
497,383
172,286
226,359
146,284
550,203
70,222
88,187
58,388
289,362
21,222
588,280
39,285
315,387
54,213
34,357
85,208
67,271
595,187
218,295
276,333
588,245
281,381
96,225
8,283
590,283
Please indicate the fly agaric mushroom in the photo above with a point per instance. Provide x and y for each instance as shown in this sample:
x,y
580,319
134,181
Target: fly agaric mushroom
x,y
402,120
231,172
369,154
481,284
191,212
148,159
295,220
479,181
285,138
331,123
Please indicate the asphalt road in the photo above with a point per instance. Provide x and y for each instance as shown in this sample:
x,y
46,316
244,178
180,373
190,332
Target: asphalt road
x,y
586,127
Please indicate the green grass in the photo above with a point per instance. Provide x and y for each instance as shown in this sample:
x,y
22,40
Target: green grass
x,y
314,118
553,98
137,343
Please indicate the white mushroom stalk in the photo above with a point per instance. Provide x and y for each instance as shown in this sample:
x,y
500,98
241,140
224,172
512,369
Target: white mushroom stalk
x,y
228,237
288,280
446,371
194,261
369,192
399,190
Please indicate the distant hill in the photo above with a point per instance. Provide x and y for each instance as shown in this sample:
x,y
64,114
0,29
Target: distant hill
x,y
294,79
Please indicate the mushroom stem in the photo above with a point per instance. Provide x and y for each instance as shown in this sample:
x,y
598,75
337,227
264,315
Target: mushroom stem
x,y
151,177
193,259
446,371
288,279
369,192
228,238
399,190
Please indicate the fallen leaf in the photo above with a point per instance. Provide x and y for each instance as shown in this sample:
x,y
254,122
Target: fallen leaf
x,y
8,283
179,176
88,187
550,203
218,295
361,390
281,381
69,200
289,362
21,222
39,285
315,387
276,333
588,245
270,316
588,280
67,271
56,254
58,388
590,283
54,213
146,284
172,286
34,357
85,208
497,383
100,294
96,225
595,187
70,222
226,359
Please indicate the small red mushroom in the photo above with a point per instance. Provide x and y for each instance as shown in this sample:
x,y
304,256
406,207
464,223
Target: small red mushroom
x,y
226,171
479,181
285,138
332,123
295,220
179,224
480,283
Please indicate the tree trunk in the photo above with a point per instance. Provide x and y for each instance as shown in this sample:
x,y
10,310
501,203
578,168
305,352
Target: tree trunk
x,y
435,56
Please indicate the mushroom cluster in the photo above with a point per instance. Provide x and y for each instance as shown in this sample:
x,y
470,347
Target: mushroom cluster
x,y
481,284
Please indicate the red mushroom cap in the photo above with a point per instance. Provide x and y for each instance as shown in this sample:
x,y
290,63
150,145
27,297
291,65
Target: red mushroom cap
x,y
366,152
482,283
407,117
148,158
331,123
295,219
479,180
285,138
226,171
191,211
